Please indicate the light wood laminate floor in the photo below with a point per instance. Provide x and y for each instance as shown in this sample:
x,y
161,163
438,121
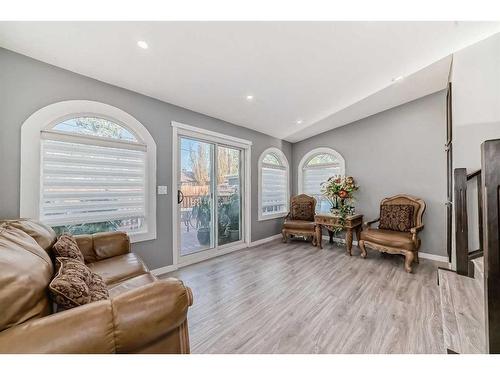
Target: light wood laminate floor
x,y
293,298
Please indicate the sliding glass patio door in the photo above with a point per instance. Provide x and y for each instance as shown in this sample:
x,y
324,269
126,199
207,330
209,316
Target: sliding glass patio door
x,y
209,195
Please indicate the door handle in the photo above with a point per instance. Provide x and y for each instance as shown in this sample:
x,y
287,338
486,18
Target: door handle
x,y
180,197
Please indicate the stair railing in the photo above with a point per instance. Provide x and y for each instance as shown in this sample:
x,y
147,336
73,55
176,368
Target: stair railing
x,y
464,257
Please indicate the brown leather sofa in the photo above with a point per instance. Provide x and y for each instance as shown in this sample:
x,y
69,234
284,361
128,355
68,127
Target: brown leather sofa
x,y
142,315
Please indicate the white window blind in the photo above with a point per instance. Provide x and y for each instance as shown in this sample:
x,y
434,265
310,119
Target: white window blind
x,y
313,178
85,181
274,189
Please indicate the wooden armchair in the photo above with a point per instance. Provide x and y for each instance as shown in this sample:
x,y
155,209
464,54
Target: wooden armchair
x,y
300,219
400,221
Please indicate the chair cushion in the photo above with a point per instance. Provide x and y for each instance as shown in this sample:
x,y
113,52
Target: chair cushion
x,y
119,268
299,225
400,240
303,210
66,247
397,217
130,284
75,285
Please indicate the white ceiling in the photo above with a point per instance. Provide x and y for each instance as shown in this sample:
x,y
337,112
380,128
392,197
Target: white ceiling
x,y
337,72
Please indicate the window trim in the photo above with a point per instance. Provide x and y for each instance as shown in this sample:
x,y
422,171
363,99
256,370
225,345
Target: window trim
x,y
308,156
45,118
284,160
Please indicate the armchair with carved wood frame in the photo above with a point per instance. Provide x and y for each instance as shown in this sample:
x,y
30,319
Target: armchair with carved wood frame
x,y
300,219
405,243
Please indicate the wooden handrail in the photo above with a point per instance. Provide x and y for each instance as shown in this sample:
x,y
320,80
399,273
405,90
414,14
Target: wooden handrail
x,y
473,174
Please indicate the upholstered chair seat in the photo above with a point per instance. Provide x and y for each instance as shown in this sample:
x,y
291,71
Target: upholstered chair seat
x,y
298,224
300,219
400,222
389,238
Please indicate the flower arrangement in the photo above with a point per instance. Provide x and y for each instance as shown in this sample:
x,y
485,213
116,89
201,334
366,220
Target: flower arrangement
x,y
340,192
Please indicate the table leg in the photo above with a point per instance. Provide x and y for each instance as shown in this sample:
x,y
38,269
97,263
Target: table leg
x,y
330,233
319,242
358,233
348,240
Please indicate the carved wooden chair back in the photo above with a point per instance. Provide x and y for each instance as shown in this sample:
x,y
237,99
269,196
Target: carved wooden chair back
x,y
301,203
417,203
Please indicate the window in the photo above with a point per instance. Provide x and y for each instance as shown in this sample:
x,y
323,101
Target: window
x,y
273,184
95,169
315,168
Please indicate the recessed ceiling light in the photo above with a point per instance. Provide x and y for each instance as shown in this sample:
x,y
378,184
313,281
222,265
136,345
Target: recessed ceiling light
x,y
399,78
249,98
299,121
142,44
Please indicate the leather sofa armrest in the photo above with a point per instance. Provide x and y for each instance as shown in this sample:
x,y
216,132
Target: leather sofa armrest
x,y
146,314
127,323
84,329
104,245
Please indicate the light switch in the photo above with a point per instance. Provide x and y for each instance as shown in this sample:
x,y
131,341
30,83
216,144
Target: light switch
x,y
162,190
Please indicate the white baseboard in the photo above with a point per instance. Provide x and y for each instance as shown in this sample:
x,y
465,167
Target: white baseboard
x,y
164,270
437,258
264,240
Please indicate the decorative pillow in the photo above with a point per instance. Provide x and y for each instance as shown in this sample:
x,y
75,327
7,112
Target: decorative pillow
x,y
66,247
75,284
302,211
398,217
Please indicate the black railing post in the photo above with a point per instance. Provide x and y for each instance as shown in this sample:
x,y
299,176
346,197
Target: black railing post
x,y
490,159
461,230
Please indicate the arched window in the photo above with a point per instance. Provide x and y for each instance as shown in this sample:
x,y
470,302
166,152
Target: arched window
x,y
88,167
315,168
274,184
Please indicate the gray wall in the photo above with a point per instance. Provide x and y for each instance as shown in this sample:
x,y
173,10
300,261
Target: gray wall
x,y
27,85
476,115
397,151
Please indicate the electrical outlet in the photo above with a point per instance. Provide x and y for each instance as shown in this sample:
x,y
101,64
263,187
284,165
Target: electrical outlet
x,y
162,190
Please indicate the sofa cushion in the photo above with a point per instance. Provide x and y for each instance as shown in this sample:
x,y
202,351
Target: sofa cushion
x,y
25,273
399,240
130,284
41,233
66,247
119,268
75,284
98,246
397,217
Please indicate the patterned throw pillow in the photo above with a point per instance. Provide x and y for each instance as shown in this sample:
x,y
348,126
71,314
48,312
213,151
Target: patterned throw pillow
x,y
302,211
398,217
67,247
75,285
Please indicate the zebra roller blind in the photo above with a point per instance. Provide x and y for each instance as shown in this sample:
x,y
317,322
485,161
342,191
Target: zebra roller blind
x,y
92,179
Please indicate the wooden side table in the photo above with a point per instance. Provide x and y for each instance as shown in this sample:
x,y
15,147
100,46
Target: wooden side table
x,y
331,222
